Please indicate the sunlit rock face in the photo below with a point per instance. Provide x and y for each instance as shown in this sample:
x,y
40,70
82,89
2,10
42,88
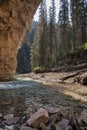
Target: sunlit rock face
x,y
15,18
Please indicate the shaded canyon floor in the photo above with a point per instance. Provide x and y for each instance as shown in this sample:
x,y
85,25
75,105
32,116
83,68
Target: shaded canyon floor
x,y
29,92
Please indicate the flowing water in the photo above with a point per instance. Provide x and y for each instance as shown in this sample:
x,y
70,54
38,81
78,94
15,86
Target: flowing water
x,y
18,96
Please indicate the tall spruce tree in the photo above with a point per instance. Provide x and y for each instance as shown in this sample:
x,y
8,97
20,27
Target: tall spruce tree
x,y
64,25
23,59
43,25
52,34
35,54
40,41
78,18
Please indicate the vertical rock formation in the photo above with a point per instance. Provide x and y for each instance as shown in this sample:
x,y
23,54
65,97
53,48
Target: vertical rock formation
x,y
15,18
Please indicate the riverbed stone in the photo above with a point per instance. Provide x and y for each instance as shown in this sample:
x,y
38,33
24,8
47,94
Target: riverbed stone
x,y
42,126
69,128
9,127
55,127
8,116
40,116
52,110
28,111
27,128
83,116
63,124
12,121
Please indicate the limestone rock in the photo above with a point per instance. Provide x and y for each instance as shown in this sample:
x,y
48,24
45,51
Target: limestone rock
x,y
15,19
36,119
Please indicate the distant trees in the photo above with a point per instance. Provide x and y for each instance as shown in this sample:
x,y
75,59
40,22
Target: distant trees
x,y
47,45
64,27
57,39
79,19
63,20
39,47
23,56
54,40
43,29
52,33
35,54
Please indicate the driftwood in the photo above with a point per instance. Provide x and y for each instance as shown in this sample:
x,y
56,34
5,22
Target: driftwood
x,y
73,75
72,68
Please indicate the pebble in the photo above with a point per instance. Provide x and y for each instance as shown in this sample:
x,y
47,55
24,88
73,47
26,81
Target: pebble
x,y
12,121
9,127
8,116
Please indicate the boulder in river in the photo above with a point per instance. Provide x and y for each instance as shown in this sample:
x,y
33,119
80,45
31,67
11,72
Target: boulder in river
x,y
40,116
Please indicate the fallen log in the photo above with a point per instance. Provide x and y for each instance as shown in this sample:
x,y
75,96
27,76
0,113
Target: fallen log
x,y
73,75
63,68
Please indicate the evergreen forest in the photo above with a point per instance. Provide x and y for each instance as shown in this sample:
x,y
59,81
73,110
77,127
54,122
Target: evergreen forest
x,y
58,40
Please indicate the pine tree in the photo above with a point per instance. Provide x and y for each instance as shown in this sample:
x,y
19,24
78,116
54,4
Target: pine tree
x,y
52,34
40,41
83,11
42,24
86,17
64,25
78,17
35,55
23,59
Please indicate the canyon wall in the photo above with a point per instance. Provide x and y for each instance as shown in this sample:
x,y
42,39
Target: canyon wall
x,y
15,19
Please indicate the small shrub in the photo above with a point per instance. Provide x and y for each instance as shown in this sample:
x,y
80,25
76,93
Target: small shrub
x,y
83,47
38,69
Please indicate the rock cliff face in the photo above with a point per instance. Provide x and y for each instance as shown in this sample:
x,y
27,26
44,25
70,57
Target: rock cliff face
x,y
15,18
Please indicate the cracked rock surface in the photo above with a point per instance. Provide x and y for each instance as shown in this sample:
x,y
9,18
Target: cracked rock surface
x,y
15,18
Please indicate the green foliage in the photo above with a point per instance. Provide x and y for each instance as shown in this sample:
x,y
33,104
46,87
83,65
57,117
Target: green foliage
x,y
51,64
32,31
83,47
23,58
39,49
35,54
38,69
62,41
